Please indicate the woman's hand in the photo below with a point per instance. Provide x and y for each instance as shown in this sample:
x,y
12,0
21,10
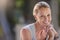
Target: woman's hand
x,y
53,35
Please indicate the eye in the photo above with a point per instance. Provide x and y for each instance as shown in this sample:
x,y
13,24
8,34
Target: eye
x,y
48,15
41,16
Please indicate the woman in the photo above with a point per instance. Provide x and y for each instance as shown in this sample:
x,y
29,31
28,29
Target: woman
x,y
42,29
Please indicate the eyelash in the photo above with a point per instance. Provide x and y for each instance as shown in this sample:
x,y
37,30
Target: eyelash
x,y
43,16
48,15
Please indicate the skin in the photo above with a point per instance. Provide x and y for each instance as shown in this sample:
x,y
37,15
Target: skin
x,y
43,20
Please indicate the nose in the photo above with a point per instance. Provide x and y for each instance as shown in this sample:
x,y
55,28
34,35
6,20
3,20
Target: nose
x,y
46,19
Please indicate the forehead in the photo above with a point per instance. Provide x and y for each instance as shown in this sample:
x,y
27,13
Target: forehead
x,y
44,11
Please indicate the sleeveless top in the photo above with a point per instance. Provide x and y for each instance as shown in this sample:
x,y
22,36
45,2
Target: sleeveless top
x,y
31,28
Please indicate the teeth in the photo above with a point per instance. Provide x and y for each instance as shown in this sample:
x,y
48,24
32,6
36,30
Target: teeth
x,y
45,22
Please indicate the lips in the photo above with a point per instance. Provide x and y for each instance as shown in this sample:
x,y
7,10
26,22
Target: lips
x,y
46,23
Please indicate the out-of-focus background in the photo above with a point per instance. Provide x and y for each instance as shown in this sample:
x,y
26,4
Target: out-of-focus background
x,y
15,14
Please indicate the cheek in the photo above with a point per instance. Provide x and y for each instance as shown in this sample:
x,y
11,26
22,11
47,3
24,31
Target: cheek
x,y
39,19
42,19
49,19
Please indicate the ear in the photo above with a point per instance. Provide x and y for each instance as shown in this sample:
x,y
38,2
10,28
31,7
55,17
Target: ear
x,y
35,17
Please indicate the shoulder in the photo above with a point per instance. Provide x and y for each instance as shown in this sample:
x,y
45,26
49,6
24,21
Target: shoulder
x,y
25,32
26,29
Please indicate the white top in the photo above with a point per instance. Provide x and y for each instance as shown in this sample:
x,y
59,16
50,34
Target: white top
x,y
31,28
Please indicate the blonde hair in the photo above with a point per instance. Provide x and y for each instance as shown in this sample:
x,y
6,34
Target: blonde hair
x,y
40,5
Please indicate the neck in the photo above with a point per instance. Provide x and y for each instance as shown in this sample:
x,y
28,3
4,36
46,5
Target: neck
x,y
38,25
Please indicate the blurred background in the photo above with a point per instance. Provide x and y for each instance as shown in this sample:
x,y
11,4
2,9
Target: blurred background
x,y
15,14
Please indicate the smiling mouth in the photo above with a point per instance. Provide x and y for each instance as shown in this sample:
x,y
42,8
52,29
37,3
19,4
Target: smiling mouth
x,y
45,22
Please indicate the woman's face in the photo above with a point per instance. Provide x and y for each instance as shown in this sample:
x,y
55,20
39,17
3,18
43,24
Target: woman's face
x,y
44,16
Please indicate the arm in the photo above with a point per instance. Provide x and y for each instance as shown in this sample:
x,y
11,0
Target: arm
x,y
51,35
25,34
55,34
